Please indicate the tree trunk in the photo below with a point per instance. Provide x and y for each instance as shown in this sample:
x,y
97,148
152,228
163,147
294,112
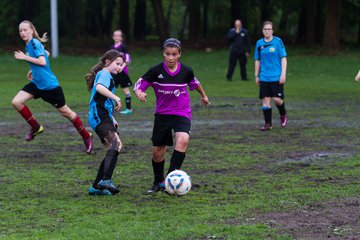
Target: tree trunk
x,y
124,18
302,24
205,18
310,20
194,20
161,23
140,20
110,4
332,25
265,10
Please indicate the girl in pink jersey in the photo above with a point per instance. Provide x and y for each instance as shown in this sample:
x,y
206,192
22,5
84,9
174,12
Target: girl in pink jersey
x,y
170,80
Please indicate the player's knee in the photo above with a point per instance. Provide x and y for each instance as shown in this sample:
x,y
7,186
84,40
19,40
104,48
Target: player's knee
x,y
115,142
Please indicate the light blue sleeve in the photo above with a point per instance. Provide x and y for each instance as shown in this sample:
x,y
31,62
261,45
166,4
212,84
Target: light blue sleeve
x,y
256,52
282,50
103,78
38,48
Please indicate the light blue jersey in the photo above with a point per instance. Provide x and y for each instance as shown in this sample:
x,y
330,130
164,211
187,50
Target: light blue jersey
x,y
269,54
43,77
101,108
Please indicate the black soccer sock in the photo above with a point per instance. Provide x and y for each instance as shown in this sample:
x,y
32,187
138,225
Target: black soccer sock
x,y
158,169
176,160
267,114
128,101
110,163
282,109
99,174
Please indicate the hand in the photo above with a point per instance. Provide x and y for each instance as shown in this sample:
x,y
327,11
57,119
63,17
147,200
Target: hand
x,y
282,80
141,95
357,78
118,105
116,125
30,76
257,81
247,54
205,101
19,55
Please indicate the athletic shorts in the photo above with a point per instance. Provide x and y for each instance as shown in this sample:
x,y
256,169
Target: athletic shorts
x,y
53,96
104,128
123,80
163,126
271,89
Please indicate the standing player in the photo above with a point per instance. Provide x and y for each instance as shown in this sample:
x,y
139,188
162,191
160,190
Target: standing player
x,y
123,78
43,85
169,80
270,74
101,84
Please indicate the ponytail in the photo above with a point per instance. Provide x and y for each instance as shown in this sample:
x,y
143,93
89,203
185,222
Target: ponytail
x,y
110,55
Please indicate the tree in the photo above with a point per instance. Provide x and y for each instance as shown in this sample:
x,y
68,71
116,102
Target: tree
x,y
194,20
332,25
124,18
140,20
161,23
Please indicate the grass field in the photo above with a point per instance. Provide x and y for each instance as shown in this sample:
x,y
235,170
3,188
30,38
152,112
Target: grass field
x,y
300,182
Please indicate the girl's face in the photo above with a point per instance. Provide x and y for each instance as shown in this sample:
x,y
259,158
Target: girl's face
x,y
267,31
25,31
117,37
115,66
171,56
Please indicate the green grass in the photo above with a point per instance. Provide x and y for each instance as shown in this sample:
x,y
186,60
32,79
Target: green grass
x,y
239,172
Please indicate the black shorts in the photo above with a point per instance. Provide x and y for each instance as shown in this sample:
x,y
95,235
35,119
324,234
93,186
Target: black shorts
x,y
163,126
123,80
271,89
104,128
54,96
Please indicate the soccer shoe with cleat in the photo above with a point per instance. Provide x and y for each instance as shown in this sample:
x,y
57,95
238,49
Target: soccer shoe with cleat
x,y
93,191
266,127
33,133
108,184
88,144
126,111
156,187
283,120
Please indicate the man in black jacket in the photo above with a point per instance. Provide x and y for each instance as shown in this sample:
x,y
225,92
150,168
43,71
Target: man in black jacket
x,y
239,49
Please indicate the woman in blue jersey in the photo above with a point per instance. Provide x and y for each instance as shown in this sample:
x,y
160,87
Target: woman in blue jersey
x,y
270,74
122,79
170,80
43,84
101,84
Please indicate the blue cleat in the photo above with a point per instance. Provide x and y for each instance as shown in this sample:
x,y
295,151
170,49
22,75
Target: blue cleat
x,y
108,185
93,191
126,111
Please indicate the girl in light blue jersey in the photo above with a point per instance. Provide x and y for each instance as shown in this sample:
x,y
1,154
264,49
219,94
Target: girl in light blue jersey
x,y
43,84
270,74
101,84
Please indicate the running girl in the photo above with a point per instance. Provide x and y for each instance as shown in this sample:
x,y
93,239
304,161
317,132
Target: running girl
x,y
101,120
169,80
43,84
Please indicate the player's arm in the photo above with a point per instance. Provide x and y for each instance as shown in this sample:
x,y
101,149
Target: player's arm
x,y
22,56
257,72
283,70
357,77
204,99
105,92
139,89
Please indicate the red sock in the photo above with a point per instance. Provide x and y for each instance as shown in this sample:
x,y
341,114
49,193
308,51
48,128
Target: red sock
x,y
80,127
28,116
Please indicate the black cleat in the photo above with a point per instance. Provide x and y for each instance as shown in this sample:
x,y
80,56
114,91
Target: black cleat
x,y
156,187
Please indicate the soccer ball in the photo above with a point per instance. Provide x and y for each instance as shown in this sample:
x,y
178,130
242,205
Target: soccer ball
x,y
178,183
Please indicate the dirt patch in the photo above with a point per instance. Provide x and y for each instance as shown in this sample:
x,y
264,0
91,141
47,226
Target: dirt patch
x,y
325,220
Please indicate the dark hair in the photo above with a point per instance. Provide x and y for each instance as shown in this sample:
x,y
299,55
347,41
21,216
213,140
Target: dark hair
x,y
172,42
110,55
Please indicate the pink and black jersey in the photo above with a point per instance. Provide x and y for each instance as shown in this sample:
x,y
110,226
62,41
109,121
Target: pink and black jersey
x,y
172,96
122,48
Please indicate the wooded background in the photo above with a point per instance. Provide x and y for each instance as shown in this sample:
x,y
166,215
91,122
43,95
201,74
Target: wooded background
x,y
331,24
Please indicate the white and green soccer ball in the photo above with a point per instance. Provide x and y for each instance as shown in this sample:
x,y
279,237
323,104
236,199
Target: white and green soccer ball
x,y
178,182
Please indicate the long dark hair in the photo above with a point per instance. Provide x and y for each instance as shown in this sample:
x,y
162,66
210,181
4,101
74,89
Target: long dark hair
x,y
110,55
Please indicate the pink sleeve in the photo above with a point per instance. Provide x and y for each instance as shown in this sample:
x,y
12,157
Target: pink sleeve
x,y
142,84
194,84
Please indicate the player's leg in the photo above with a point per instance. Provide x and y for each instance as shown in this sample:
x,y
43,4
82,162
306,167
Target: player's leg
x,y
19,104
106,169
267,112
179,153
278,98
65,111
128,109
